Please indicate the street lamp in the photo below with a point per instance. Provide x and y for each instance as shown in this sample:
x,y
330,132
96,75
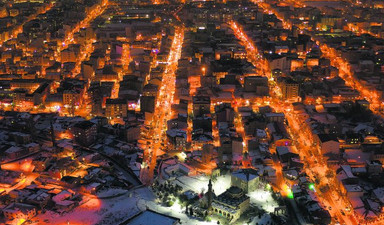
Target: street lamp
x,y
311,186
203,69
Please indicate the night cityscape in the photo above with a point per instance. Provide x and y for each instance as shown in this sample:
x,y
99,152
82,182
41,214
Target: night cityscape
x,y
191,112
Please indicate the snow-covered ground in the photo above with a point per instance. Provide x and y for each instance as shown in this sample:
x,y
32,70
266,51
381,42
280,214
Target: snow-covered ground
x,y
177,211
263,199
98,211
116,205
196,184
200,183
111,192
262,221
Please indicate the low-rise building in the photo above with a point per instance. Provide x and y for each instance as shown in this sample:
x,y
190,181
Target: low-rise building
x,y
19,211
328,143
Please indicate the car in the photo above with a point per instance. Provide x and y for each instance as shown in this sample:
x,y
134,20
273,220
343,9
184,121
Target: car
x,y
342,212
330,208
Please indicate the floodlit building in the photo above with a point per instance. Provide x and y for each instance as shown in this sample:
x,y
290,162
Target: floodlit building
x,y
231,204
246,179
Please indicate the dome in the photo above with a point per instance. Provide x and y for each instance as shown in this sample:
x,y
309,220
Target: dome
x,y
235,191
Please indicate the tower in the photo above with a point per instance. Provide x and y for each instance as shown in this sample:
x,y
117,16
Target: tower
x,y
209,195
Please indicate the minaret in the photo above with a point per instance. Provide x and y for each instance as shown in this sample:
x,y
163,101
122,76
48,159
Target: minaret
x,y
209,195
53,135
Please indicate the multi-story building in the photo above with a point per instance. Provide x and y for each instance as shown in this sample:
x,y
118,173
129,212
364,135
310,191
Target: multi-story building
x,y
178,138
257,85
289,88
29,85
71,97
84,132
201,105
133,133
116,108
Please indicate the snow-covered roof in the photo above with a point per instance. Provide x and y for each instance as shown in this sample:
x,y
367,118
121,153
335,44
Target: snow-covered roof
x,y
353,188
13,149
379,194
151,217
356,202
61,198
347,171
282,150
177,132
246,174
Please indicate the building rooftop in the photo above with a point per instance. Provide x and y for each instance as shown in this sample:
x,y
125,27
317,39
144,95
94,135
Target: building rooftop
x,y
84,124
327,137
149,217
246,174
